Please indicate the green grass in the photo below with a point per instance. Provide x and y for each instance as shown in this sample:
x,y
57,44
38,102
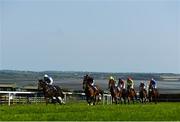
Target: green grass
x,y
81,111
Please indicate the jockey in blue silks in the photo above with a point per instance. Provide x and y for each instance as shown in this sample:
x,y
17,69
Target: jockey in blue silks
x,y
153,83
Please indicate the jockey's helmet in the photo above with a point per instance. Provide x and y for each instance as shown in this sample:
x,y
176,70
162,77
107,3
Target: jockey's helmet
x,y
120,79
46,76
111,78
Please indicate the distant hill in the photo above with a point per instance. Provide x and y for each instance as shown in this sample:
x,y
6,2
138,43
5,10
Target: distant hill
x,y
15,76
73,80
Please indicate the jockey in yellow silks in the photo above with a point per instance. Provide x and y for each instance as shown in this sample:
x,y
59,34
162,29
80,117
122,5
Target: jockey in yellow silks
x,y
130,83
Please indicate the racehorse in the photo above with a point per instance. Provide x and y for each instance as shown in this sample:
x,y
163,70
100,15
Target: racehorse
x,y
51,92
92,95
131,95
153,94
143,95
115,92
122,93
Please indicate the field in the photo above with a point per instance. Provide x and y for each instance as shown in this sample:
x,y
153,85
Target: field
x,y
81,111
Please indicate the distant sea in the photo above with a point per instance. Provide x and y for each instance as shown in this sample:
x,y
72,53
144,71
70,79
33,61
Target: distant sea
x,y
172,87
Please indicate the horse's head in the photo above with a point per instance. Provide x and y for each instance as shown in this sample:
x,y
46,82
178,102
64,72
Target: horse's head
x,y
87,81
41,84
111,83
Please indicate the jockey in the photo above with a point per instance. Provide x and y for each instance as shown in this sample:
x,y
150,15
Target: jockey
x,y
93,84
130,83
112,78
142,86
121,83
153,83
48,79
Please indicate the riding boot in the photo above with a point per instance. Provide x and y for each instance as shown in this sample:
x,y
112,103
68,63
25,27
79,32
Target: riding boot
x,y
118,89
54,88
95,88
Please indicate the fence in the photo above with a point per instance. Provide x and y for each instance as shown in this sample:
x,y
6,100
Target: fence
x,y
12,97
11,94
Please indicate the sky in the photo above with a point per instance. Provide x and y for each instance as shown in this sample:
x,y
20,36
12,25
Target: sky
x,y
90,35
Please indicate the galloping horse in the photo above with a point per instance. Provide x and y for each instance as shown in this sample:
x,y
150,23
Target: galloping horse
x,y
131,94
115,92
92,95
122,93
153,94
143,95
51,92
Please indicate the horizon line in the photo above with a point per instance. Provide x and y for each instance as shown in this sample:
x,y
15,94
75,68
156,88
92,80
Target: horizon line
x,y
86,71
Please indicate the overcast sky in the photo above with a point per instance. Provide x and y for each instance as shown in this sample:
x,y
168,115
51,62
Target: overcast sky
x,y
90,35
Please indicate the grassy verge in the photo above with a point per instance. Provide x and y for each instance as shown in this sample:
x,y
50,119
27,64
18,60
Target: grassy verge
x,y
81,111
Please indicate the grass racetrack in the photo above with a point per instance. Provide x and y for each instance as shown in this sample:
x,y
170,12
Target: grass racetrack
x,y
81,111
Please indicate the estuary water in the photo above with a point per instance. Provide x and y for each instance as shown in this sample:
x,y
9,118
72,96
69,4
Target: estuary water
x,y
171,87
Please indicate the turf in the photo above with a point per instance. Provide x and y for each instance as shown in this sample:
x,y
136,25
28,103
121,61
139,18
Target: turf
x,y
81,111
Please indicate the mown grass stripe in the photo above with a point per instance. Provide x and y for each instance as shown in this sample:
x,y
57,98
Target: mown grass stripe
x,y
81,111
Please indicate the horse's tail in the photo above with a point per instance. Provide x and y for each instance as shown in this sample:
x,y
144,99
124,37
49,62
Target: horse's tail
x,y
61,93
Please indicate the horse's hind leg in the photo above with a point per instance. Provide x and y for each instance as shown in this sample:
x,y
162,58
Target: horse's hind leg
x,y
60,101
53,100
128,100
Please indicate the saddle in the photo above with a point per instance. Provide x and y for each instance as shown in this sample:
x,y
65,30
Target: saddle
x,y
94,88
52,87
130,89
118,88
151,88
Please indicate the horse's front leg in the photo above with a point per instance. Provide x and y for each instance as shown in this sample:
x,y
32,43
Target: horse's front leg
x,y
47,100
88,99
91,100
112,99
150,99
116,100
121,99
124,100
129,99
133,99
94,100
